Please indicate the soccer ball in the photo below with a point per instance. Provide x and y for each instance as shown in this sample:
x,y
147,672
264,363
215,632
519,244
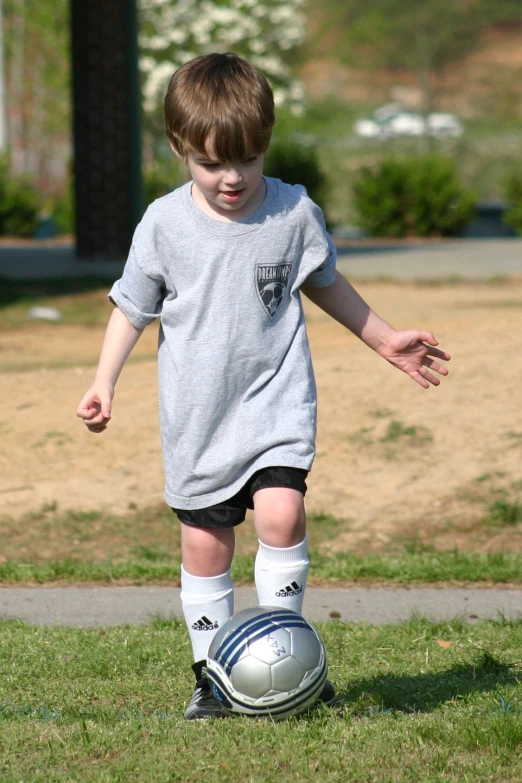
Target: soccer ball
x,y
267,661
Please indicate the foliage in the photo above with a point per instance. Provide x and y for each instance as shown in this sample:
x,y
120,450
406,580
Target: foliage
x,y
263,32
416,196
37,72
161,179
62,210
296,164
513,194
388,33
19,205
425,40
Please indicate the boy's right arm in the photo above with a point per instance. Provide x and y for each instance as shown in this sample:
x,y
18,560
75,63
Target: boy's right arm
x,y
120,338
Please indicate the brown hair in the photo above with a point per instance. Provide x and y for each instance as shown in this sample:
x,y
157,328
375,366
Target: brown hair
x,y
219,99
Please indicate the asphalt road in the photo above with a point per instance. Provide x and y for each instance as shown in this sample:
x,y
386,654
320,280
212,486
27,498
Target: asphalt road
x,y
465,259
106,606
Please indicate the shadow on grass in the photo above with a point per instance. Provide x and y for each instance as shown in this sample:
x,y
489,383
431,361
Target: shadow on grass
x,y
425,692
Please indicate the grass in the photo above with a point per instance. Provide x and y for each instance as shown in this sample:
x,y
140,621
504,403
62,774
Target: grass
x,y
504,512
81,302
143,547
396,438
417,702
150,567
397,431
502,502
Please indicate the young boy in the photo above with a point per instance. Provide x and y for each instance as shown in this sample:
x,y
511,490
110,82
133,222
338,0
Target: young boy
x,y
222,261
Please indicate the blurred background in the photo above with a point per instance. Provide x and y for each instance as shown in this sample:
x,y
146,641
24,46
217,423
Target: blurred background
x,y
401,118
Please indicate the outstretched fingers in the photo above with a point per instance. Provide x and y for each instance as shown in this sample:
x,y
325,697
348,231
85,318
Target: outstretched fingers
x,y
425,378
431,351
436,367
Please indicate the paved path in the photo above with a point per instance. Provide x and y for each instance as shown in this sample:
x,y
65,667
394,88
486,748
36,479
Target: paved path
x,y
468,259
106,606
464,259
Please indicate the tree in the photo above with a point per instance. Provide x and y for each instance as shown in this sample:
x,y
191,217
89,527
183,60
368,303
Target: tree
x,y
38,94
423,37
263,31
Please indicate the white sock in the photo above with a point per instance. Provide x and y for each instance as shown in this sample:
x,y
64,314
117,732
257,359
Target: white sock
x,y
281,575
208,602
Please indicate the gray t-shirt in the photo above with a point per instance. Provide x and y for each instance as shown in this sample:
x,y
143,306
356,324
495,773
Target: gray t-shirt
x,y
236,385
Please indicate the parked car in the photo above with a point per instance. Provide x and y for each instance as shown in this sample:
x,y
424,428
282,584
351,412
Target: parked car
x,y
444,126
390,121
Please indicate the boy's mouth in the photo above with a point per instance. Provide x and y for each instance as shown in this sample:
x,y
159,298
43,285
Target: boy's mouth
x,y
232,195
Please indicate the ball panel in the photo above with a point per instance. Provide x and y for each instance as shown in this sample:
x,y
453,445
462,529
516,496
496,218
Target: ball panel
x,y
246,626
273,646
251,677
306,647
287,675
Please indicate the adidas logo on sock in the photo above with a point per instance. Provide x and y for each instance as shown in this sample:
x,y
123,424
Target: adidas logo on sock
x,y
204,624
289,590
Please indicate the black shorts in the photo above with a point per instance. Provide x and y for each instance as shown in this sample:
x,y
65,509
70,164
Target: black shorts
x,y
233,511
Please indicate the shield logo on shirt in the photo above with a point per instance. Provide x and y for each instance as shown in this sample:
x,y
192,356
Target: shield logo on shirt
x,y
271,284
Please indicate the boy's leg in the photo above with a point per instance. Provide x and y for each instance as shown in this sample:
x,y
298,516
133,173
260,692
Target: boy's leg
x,y
207,598
282,561
207,592
281,567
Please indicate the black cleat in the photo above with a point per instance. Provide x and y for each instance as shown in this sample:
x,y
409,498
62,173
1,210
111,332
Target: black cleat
x,y
204,704
327,695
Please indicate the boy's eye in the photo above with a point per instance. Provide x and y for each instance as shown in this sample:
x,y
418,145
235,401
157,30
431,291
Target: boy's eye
x,y
208,164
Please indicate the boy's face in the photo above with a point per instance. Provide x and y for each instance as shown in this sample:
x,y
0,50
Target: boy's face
x,y
228,190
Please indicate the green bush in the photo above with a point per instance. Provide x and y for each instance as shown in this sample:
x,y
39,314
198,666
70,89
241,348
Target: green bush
x,y
19,206
62,212
513,194
419,196
161,179
296,165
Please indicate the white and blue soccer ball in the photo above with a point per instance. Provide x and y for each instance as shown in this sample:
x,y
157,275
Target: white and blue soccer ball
x,y
267,661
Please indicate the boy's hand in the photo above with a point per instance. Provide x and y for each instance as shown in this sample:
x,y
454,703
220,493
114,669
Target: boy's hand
x,y
411,352
95,407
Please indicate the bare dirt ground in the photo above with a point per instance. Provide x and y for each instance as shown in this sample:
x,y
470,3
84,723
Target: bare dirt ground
x,y
394,462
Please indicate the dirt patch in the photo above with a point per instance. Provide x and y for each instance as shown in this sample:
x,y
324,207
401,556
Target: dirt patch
x,y
393,462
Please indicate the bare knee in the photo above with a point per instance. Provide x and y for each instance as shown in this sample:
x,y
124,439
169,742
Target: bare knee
x,y
207,551
279,515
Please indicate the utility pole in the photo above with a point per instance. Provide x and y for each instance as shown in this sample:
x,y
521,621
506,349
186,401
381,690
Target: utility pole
x,y
3,97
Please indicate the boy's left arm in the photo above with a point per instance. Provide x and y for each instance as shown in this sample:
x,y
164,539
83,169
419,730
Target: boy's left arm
x,y
412,351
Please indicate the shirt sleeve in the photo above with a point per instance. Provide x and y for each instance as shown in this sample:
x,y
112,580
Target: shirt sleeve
x,y
317,265
324,275
138,294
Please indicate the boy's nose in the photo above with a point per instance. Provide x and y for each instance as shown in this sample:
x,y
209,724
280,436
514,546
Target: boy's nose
x,y
232,176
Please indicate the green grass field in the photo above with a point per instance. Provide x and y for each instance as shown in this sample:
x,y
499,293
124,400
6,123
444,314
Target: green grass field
x,y
418,702
144,548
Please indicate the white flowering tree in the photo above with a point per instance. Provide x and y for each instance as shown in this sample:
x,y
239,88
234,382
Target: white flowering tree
x,y
262,31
